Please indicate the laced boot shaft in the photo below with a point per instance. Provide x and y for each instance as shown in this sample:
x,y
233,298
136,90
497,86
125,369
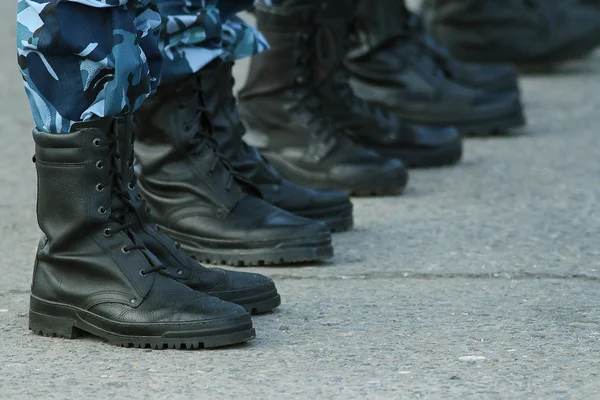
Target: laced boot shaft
x,y
365,122
93,273
173,130
289,75
96,213
228,128
332,207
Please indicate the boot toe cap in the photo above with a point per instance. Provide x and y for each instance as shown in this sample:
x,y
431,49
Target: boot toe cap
x,y
371,169
244,287
291,196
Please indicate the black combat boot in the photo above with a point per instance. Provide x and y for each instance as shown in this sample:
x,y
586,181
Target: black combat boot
x,y
214,213
93,273
331,207
533,34
286,117
367,123
399,71
377,39
255,292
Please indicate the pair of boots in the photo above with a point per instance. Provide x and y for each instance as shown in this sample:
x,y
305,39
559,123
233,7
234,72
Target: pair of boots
x,y
344,77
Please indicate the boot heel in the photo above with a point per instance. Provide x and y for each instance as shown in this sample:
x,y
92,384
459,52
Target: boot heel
x,y
48,325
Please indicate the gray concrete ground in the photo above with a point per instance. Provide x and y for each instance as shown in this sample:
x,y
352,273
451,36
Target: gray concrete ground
x,y
481,282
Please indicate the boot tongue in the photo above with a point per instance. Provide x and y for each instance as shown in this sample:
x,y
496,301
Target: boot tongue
x,y
228,128
204,140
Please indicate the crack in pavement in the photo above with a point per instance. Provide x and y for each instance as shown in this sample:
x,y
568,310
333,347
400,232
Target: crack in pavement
x,y
426,276
412,275
15,291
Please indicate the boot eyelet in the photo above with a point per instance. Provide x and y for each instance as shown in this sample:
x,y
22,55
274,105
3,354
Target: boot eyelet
x,y
179,272
130,186
124,250
133,301
107,232
148,210
157,228
97,142
99,164
143,273
101,210
99,187
139,197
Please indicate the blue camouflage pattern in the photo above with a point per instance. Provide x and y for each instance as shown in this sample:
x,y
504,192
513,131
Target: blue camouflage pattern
x,y
84,59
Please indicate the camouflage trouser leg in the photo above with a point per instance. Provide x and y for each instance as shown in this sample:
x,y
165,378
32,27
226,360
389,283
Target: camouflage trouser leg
x,y
83,59
195,32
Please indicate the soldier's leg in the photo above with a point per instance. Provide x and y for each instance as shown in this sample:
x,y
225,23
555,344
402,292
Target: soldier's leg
x,y
83,59
199,31
84,63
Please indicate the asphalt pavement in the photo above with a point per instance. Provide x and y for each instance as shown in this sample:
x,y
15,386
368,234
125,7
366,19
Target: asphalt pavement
x,y
482,281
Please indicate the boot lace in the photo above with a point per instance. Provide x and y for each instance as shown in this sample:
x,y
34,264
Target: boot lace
x,y
123,215
203,138
241,147
322,125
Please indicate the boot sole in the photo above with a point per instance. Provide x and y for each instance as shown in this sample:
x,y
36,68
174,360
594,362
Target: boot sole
x,y
496,127
63,321
320,181
269,253
493,126
440,156
263,306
